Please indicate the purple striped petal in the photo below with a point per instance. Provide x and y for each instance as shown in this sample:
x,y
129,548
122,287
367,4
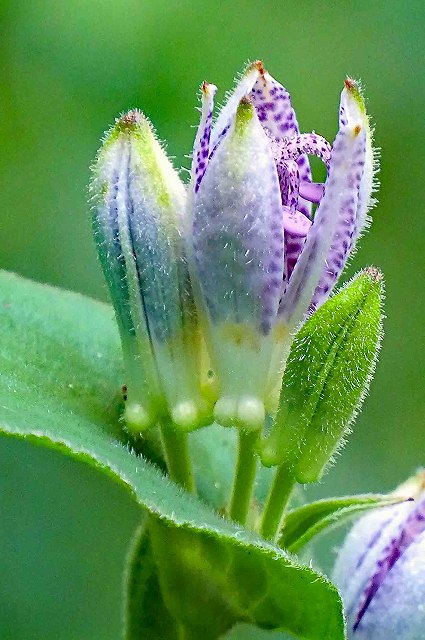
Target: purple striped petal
x,y
201,148
276,113
381,574
326,247
239,263
409,532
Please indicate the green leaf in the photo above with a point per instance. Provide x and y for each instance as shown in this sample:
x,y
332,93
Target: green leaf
x,y
60,369
326,378
209,585
305,522
145,613
249,632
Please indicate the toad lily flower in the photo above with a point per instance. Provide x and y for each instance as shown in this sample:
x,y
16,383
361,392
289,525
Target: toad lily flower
x,y
381,573
260,260
233,263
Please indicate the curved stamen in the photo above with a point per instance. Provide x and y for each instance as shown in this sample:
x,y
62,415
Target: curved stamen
x,y
289,180
296,226
295,223
310,143
312,191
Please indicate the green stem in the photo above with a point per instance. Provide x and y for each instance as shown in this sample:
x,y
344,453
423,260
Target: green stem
x,y
246,468
177,456
277,500
182,632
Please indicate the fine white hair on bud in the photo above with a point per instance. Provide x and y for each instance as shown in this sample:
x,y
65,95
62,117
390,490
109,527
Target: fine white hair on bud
x,y
138,209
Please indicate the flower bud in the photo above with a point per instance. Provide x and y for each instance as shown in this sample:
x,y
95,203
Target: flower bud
x,y
237,232
326,378
380,572
138,209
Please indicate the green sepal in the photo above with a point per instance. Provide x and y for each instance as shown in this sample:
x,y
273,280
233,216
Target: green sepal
x,y
326,378
305,522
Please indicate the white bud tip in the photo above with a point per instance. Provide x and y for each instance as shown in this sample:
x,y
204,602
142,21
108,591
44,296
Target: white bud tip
x,y
185,415
138,418
246,412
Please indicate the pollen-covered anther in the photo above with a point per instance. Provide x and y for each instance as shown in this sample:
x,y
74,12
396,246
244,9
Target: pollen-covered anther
x,y
246,412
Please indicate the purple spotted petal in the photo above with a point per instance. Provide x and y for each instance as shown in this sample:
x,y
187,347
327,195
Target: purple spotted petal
x,y
321,261
201,148
276,113
361,175
367,184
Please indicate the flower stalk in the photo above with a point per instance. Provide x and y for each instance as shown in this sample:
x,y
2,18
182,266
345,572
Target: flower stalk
x,y
277,501
245,472
177,457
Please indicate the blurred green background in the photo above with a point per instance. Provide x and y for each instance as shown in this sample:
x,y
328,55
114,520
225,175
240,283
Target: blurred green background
x,y
67,69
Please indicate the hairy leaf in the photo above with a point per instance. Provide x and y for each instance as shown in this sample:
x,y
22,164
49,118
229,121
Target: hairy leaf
x,y
60,372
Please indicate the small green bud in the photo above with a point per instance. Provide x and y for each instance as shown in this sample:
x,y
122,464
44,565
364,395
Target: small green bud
x,y
326,379
139,207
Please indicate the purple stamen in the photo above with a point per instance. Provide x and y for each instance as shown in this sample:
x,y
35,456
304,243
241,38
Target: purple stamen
x,y
312,191
295,191
289,180
296,226
310,143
